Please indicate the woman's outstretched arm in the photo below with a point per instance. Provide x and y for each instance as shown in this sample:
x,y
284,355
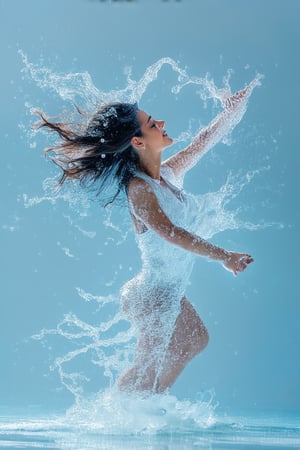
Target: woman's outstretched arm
x,y
223,124
146,207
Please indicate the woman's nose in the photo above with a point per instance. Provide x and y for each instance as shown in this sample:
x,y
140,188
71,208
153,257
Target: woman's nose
x,y
160,123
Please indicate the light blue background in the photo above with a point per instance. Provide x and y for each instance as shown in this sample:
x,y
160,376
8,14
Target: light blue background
x,y
252,361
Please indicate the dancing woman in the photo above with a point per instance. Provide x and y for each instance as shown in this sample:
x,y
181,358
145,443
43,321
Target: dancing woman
x,y
122,144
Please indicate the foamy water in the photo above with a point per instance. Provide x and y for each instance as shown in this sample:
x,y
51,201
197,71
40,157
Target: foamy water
x,y
160,423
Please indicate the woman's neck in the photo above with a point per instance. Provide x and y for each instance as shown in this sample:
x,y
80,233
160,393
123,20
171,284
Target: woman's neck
x,y
151,164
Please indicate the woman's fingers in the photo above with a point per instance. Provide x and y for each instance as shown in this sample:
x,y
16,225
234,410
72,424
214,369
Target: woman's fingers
x,y
243,262
237,262
231,101
242,94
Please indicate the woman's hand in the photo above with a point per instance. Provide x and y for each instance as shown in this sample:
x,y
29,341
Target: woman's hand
x,y
230,102
237,262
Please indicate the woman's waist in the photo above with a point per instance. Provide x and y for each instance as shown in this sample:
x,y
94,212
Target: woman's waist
x,y
173,261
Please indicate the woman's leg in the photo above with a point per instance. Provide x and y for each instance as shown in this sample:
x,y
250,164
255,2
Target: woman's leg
x,y
142,376
189,338
155,372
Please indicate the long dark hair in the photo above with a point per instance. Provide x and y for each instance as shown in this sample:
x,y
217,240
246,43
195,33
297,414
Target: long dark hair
x,y
97,149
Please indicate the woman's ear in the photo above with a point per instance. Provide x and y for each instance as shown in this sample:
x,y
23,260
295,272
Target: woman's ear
x,y
137,143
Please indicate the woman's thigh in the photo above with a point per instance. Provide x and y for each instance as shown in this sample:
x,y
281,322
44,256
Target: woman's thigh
x,y
190,334
152,307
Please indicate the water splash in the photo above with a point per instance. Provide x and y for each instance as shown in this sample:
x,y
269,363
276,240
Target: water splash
x,y
79,86
100,345
162,422
216,211
73,87
79,89
115,413
109,347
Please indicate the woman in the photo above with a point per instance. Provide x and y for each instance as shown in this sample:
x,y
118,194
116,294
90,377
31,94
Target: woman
x,y
123,144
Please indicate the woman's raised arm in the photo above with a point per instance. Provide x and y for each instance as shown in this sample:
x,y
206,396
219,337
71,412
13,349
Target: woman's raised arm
x,y
223,124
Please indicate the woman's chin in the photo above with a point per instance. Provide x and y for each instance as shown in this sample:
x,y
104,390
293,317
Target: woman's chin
x,y
168,141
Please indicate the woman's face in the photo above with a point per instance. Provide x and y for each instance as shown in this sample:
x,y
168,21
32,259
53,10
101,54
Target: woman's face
x,y
154,136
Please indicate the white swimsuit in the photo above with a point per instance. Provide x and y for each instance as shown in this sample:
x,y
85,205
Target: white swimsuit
x,y
151,300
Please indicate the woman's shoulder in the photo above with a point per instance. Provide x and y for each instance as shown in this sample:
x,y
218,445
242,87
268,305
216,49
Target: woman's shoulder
x,y
137,181
137,186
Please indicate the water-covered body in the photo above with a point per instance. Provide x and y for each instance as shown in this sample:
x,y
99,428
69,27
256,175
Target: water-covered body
x,y
167,222
158,278
120,142
152,299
